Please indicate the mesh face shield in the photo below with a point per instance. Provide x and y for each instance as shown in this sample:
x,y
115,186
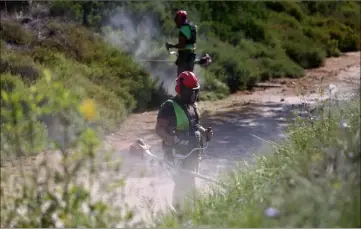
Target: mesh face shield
x,y
189,95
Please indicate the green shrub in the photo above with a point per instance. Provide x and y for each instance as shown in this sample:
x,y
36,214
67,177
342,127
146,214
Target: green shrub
x,y
117,71
9,82
351,42
52,193
113,99
279,68
14,33
302,50
310,57
212,88
17,63
43,56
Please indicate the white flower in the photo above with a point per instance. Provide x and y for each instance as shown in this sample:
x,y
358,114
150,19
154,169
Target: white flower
x,y
344,125
332,89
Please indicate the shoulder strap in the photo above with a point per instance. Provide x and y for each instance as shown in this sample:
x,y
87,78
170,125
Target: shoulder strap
x,y
181,116
196,111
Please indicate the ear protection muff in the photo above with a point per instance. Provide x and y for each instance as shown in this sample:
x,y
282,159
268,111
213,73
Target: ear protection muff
x,y
178,85
177,89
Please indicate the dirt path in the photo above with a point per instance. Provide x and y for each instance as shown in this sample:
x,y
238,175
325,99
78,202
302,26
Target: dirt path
x,y
142,125
235,121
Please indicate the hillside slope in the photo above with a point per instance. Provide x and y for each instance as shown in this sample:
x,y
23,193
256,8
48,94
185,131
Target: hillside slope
x,y
99,46
81,59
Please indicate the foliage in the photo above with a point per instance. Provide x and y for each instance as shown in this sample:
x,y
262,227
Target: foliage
x,y
60,192
14,33
83,60
249,41
253,41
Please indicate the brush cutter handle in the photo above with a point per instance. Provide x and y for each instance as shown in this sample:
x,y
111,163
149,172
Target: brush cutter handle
x,y
209,129
168,46
182,157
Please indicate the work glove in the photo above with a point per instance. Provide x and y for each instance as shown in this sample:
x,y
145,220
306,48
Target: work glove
x,y
173,140
168,45
209,134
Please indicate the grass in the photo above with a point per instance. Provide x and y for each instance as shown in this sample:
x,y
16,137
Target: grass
x,y
311,180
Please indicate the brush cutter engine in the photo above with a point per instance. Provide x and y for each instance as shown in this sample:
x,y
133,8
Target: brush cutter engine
x,y
204,61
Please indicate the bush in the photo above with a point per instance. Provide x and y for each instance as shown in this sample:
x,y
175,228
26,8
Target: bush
x,y
9,82
212,88
14,33
51,193
17,63
83,60
309,56
117,71
113,99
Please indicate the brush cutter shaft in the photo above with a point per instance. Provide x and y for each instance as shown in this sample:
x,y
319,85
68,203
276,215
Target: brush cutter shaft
x,y
173,168
193,174
139,144
204,61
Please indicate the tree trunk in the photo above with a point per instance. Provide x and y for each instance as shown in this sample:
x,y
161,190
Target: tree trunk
x,y
86,12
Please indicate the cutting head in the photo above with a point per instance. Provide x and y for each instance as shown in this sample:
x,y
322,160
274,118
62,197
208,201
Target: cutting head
x,y
138,148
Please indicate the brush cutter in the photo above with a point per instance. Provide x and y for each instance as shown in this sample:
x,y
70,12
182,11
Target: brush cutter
x,y
142,150
203,61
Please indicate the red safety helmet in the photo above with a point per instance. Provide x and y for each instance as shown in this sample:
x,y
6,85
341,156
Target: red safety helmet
x,y
180,17
187,79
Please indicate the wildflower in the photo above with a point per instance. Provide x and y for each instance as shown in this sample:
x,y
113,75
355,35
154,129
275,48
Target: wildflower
x,y
332,89
344,125
272,212
87,108
47,75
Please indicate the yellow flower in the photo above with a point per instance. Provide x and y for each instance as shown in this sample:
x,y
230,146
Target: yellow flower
x,y
47,75
87,108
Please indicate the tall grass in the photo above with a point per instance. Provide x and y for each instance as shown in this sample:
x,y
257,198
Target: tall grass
x,y
311,180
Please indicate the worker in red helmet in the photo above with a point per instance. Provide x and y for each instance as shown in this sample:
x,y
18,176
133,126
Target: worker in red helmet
x,y
179,127
187,38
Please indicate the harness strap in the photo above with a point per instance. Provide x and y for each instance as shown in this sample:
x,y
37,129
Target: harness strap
x,y
181,117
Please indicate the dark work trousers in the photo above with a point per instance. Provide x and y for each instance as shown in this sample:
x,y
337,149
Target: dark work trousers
x,y
185,61
184,184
